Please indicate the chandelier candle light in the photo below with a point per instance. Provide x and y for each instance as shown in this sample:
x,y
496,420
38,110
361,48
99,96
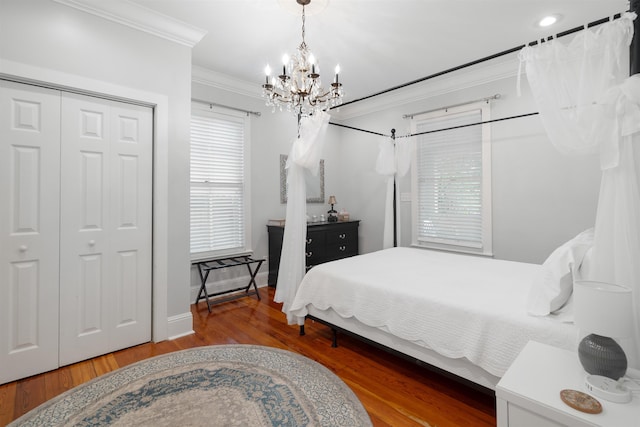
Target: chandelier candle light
x,y
299,88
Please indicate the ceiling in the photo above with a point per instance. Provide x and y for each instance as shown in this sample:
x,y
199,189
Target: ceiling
x,y
378,44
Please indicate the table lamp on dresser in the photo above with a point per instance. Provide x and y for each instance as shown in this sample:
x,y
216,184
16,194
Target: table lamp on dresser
x,y
332,214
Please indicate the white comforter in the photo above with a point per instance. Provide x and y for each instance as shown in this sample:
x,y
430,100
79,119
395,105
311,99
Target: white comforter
x,y
457,305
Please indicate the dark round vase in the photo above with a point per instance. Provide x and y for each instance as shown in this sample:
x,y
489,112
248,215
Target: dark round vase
x,y
602,356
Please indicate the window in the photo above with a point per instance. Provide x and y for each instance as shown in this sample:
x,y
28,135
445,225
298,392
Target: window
x,y
451,176
220,193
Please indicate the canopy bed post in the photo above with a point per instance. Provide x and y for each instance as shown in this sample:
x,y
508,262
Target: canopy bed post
x,y
395,218
635,42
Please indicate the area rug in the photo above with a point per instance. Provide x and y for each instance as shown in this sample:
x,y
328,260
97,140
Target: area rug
x,y
221,385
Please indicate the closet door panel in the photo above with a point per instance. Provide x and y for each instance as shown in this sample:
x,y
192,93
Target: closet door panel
x,y
29,229
84,240
106,238
131,202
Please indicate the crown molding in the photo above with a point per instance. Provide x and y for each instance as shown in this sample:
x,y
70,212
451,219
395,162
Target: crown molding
x,y
141,18
222,81
474,76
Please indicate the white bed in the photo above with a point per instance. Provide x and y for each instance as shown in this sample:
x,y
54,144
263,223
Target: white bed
x,y
464,314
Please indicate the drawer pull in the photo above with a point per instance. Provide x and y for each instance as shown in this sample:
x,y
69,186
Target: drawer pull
x,y
309,241
309,254
343,248
342,236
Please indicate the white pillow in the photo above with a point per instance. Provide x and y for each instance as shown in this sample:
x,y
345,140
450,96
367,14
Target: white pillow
x,y
586,266
552,288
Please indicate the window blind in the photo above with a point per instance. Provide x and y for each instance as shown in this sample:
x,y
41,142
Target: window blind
x,y
217,183
449,168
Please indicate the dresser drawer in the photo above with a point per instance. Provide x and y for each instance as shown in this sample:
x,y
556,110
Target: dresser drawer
x,y
315,240
315,256
342,236
341,250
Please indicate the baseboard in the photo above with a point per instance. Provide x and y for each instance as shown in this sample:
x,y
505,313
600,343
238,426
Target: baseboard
x,y
180,325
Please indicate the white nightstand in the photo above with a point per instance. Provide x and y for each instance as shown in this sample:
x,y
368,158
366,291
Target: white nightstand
x,y
528,395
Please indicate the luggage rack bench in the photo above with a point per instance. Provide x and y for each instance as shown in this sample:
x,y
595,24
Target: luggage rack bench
x,y
206,266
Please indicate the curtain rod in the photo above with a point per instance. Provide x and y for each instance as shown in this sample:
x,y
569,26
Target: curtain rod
x,y
487,99
436,130
470,124
361,130
213,104
486,58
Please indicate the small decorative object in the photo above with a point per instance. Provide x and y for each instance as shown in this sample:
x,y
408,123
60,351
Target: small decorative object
x,y
581,401
332,214
343,215
314,218
322,218
604,311
278,222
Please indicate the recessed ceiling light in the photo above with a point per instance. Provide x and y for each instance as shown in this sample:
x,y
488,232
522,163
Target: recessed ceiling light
x,y
548,20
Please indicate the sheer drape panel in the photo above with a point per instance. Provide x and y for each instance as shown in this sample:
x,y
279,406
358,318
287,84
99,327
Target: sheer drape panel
x,y
305,154
587,105
394,159
568,81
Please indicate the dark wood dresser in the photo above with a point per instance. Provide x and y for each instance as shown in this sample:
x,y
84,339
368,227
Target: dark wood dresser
x,y
326,241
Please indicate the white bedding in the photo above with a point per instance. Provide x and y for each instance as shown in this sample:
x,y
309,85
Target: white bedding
x,y
457,305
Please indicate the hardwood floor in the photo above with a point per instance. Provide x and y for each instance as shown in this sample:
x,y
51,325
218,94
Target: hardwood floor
x,y
395,392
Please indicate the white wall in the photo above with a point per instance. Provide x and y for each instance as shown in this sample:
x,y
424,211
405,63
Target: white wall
x,y
44,40
541,198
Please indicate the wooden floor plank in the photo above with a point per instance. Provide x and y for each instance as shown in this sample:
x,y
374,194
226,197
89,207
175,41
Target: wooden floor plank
x,y
104,364
7,403
30,393
82,372
395,391
58,381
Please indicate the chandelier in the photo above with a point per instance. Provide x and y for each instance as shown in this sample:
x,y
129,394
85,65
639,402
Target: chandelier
x,y
298,88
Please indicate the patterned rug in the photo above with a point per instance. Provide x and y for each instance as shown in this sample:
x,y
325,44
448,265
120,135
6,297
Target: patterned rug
x,y
222,385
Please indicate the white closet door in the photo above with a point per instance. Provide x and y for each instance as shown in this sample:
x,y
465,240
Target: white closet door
x,y
130,221
29,229
105,242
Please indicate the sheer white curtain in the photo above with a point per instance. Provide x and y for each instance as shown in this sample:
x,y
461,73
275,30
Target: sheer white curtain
x,y
394,159
305,154
588,104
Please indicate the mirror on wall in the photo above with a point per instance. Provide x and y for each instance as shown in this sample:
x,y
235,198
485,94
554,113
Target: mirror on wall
x,y
314,184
